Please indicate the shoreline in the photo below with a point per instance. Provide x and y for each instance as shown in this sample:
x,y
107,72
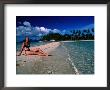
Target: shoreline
x,y
56,63
61,41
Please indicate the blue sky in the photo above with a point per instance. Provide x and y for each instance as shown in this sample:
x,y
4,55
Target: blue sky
x,y
40,25
59,22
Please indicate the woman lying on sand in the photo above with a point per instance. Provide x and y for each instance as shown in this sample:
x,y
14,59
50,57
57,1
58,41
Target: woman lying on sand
x,y
36,51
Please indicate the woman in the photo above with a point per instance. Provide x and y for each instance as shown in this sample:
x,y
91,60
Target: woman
x,y
25,47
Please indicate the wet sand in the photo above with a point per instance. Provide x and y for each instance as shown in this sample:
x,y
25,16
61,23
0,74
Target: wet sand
x,y
56,63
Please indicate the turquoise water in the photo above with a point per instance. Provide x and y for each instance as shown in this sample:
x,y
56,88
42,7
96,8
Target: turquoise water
x,y
81,54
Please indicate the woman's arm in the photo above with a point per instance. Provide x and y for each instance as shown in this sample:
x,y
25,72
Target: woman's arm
x,y
22,47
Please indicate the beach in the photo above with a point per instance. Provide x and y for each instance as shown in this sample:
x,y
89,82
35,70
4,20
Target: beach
x,y
64,57
55,63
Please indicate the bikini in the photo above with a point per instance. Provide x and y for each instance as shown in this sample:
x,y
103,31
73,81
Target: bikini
x,y
27,46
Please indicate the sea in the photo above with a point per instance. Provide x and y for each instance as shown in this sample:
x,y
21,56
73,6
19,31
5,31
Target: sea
x,y
80,54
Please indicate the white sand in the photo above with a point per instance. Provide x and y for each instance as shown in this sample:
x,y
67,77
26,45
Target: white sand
x,y
56,63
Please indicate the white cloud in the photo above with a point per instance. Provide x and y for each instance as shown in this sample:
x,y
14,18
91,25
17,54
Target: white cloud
x,y
27,24
30,30
20,30
42,29
37,28
56,31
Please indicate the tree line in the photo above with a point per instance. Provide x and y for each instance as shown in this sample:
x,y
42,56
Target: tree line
x,y
87,34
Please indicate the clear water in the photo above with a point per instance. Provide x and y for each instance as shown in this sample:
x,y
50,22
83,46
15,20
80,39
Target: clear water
x,y
81,54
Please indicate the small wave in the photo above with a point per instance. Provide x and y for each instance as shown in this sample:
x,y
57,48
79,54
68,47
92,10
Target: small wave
x,y
69,58
76,70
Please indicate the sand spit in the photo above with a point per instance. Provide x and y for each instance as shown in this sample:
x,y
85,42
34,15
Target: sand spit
x,y
55,63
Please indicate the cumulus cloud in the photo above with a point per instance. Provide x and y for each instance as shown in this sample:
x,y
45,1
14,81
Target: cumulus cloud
x,y
56,31
28,29
37,28
20,30
42,30
27,24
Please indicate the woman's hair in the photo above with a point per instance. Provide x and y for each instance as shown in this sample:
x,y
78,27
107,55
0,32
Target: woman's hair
x,y
25,39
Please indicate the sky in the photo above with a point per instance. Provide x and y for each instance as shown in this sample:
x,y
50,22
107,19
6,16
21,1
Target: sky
x,y
40,25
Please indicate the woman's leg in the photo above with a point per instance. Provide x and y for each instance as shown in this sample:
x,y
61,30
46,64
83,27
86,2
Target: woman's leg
x,y
41,51
35,53
22,48
31,53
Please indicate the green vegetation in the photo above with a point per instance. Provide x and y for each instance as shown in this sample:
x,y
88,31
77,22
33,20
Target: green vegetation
x,y
75,35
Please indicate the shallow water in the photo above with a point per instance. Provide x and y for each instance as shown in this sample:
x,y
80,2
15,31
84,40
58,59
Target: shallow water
x,y
80,54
